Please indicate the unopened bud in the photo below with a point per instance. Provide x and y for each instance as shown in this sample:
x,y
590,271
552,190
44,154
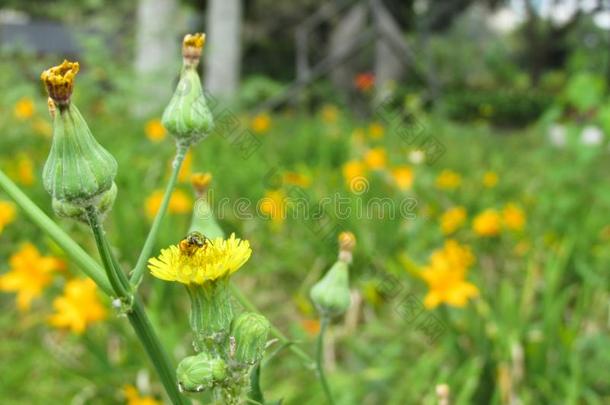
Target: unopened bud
x,y
103,204
250,331
200,372
331,294
347,243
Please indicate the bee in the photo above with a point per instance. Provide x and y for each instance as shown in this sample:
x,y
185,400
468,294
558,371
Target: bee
x,y
193,242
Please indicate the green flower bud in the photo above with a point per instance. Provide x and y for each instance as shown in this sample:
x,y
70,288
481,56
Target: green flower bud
x,y
200,372
250,331
331,294
103,204
187,116
211,314
78,170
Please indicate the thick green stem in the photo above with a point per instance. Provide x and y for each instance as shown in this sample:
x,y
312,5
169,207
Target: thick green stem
x,y
243,300
85,262
136,314
320,360
138,271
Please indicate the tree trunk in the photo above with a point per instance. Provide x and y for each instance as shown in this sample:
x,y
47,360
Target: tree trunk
x,y
223,47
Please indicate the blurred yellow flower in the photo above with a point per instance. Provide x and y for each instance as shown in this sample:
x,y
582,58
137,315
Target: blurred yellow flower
x,y
29,274
453,219
217,259
133,397
42,127
25,170
297,179
490,179
330,113
487,223
185,170
78,307
448,180
376,130
446,276
353,170
7,214
179,203
261,123
155,131
513,217
273,205
403,177
24,108
311,326
376,158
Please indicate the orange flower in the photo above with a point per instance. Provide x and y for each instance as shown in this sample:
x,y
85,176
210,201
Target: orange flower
x,y
7,214
155,131
353,170
261,123
403,177
297,179
448,180
179,203
453,219
134,398
311,326
24,108
487,223
273,205
364,81
513,217
78,307
376,158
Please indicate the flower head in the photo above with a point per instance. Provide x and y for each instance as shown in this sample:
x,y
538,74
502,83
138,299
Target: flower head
x,y
403,177
7,214
513,217
452,219
29,274
445,276
448,180
201,182
487,223
353,170
261,123
24,108
273,205
179,203
364,81
59,81
155,131
78,307
216,259
376,158
192,46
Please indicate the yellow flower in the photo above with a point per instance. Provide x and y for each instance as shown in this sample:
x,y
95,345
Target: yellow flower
x,y
155,131
218,258
7,214
352,170
179,203
513,217
376,158
490,179
185,170
403,177
25,170
487,223
261,123
133,397
376,130
78,307
196,40
446,276
330,113
452,219
273,205
29,274
297,179
24,108
448,180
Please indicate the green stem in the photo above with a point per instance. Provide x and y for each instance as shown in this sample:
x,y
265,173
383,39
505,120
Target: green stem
x,y
243,300
85,262
319,360
136,314
138,271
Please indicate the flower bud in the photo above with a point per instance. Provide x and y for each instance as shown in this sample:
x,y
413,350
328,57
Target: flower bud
x,y
187,116
103,204
78,170
347,243
331,294
250,331
196,373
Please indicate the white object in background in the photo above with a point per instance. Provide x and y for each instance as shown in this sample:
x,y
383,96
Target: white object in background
x,y
591,135
557,135
417,157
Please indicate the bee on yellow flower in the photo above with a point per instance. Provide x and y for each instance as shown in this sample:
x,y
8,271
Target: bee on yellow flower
x,y
453,219
330,113
78,307
261,123
403,177
376,130
29,274
448,180
376,158
179,203
273,205
7,214
155,131
490,179
487,223
24,108
25,170
513,217
446,276
133,397
219,259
